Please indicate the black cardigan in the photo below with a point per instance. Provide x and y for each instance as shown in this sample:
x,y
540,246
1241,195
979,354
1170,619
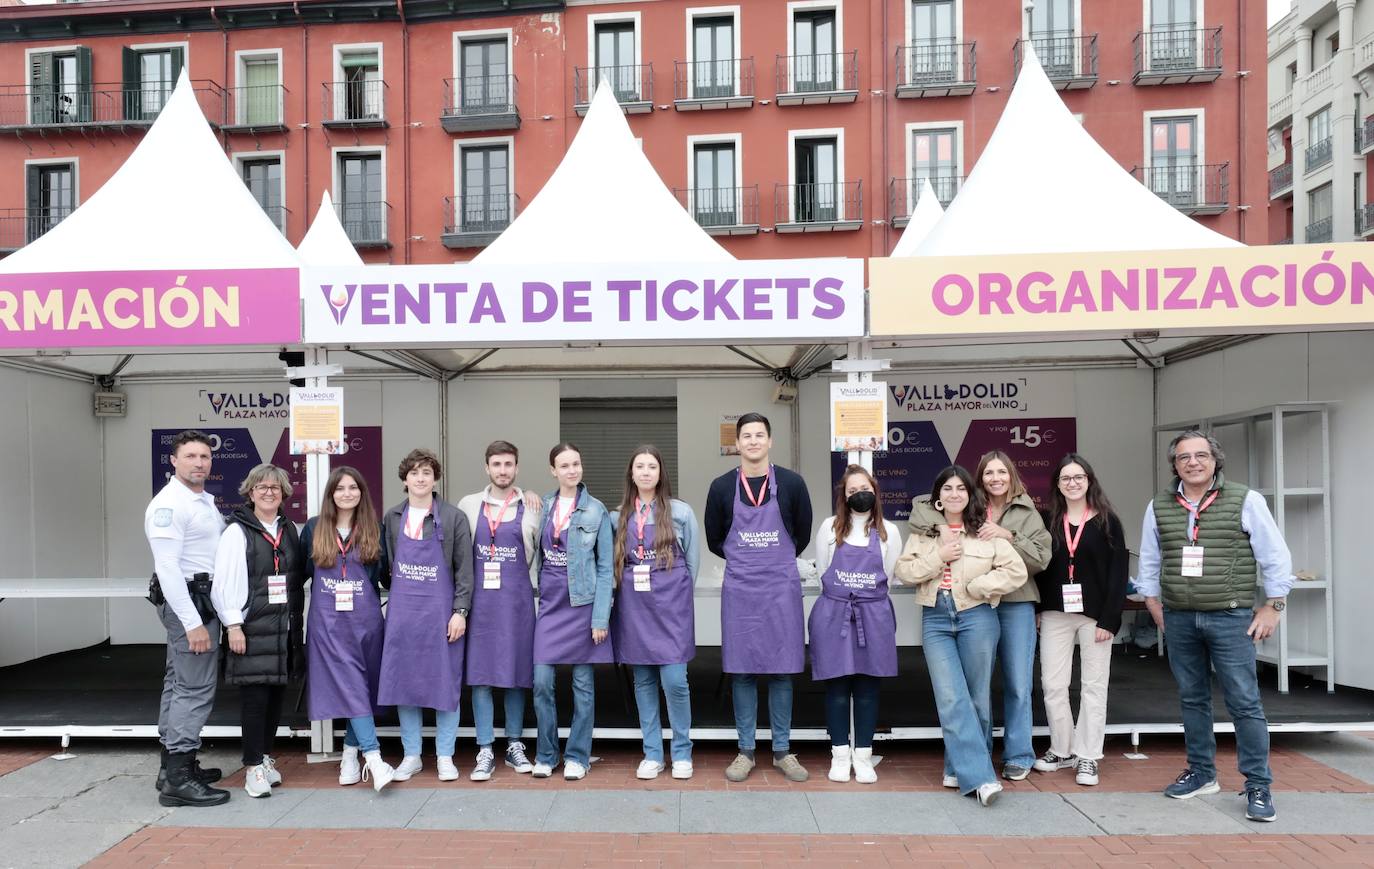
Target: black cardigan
x,y
794,503
1101,566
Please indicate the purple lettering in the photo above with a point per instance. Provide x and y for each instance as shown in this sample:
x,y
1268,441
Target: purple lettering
x,y
715,298
1042,303
1218,289
1183,278
793,288
488,304
1247,286
1361,282
756,299
1114,290
1078,292
531,293
450,294
829,301
576,302
623,290
406,304
374,304
1332,273
670,306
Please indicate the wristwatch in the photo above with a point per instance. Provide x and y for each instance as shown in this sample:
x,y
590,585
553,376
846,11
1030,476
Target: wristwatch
x,y
463,611
1278,603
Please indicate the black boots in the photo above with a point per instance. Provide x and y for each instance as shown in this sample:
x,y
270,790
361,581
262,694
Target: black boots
x,y
204,775
183,788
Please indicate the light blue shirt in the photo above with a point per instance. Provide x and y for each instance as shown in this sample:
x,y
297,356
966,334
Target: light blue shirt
x,y
1271,553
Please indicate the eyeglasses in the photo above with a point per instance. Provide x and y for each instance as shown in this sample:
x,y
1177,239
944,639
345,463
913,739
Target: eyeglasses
x,y
1076,478
264,489
1185,458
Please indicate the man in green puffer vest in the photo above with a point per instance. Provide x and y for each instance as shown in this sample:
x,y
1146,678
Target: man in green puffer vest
x,y
1205,542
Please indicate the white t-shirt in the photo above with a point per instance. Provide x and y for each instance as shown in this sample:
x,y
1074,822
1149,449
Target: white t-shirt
x,y
415,522
183,529
858,536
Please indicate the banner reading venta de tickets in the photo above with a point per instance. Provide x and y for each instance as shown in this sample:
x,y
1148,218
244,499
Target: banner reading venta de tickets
x,y
759,300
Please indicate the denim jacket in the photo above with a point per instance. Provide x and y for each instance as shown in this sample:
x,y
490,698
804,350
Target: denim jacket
x,y
685,524
591,551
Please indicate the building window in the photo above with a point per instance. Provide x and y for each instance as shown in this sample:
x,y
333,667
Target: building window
x,y
1319,215
1173,36
935,156
149,76
1052,28
616,59
263,177
815,46
713,57
361,207
1333,45
360,96
485,70
934,55
1174,159
1291,78
51,196
714,194
485,192
60,87
816,164
259,97
1319,126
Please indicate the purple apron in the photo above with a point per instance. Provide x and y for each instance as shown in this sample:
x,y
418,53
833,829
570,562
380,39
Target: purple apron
x,y
853,626
563,632
657,626
761,597
500,638
344,648
420,667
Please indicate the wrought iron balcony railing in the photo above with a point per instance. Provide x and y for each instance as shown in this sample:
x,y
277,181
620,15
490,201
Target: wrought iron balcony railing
x,y
100,105
1319,231
1069,61
365,221
722,210
633,86
904,193
357,103
1280,180
1177,55
475,220
818,206
19,226
480,102
713,83
1317,155
1193,188
817,78
256,108
937,68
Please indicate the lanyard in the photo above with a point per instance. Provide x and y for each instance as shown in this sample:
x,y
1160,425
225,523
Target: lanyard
x,y
1197,514
1071,541
560,524
763,489
642,513
414,531
276,544
493,525
344,546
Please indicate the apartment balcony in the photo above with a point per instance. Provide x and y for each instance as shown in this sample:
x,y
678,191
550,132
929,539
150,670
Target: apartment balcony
x,y
1364,220
1364,137
935,68
19,226
1177,56
1281,111
1317,155
633,86
829,207
476,220
904,193
1069,61
1192,188
365,221
1281,181
99,106
357,105
1319,231
256,109
817,79
699,85
1364,55
480,102
1316,82
722,210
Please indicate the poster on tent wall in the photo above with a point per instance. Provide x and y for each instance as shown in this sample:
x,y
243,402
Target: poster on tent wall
x,y
937,421
317,421
489,305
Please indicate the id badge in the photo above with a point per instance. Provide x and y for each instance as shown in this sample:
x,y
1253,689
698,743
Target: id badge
x,y
343,600
641,576
276,588
1192,561
1073,597
491,575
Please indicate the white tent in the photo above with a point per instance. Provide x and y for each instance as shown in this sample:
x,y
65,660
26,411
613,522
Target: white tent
x,y
176,203
924,216
326,243
604,203
1044,185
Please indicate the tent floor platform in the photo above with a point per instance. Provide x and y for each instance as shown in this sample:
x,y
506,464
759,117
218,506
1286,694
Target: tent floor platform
x,y
107,690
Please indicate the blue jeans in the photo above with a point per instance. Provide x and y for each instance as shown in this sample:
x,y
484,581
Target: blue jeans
x,y
445,730
483,711
579,748
745,692
361,734
674,680
1199,643
960,648
1016,656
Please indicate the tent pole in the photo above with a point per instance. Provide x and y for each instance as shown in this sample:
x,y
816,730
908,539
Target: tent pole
x,y
316,473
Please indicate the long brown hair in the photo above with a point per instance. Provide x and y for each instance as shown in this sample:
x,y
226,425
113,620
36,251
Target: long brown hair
x,y
1096,498
665,535
1015,489
365,531
844,519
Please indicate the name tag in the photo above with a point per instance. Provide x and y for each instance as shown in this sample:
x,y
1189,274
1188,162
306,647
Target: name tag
x,y
641,577
1073,597
276,588
1192,561
343,600
491,575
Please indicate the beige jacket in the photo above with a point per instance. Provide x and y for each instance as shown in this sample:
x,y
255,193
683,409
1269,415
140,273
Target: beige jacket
x,y
986,572
1029,536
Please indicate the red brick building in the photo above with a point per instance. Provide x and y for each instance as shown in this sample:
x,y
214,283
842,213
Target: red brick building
x,y
789,127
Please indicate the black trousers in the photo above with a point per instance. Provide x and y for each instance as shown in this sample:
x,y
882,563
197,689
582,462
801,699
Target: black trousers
x,y
259,715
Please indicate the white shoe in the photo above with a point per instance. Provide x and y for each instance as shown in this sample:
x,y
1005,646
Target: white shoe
x,y
350,772
950,781
541,770
381,772
839,763
649,769
255,782
682,769
988,793
447,771
573,771
1086,772
863,766
410,764
273,777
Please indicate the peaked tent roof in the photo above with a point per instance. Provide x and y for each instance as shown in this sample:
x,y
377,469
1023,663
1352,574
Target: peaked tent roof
x,y
326,243
924,216
1044,185
176,203
604,203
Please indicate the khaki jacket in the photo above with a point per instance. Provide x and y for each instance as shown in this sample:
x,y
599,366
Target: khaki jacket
x,y
986,572
1029,536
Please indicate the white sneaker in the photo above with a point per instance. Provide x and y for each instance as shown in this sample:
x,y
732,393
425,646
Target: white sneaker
x,y
273,777
988,793
839,763
648,769
573,771
863,766
541,770
1051,762
380,771
682,769
255,782
410,764
950,781
447,771
350,772
1086,772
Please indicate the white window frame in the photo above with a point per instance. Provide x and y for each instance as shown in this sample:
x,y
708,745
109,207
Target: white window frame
x,y
461,36
1201,18
339,50
957,127
1199,130
461,145
734,139
613,18
28,67
958,23
238,158
837,133
73,161
241,59
185,47
1077,21
795,6
335,189
696,12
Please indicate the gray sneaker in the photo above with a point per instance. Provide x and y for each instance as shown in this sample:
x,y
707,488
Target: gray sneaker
x,y
792,768
516,759
486,764
739,768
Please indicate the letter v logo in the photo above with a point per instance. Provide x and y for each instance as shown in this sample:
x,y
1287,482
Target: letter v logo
x,y
338,299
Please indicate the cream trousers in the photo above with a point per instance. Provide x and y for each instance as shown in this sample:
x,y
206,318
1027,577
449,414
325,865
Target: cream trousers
x,y
1059,633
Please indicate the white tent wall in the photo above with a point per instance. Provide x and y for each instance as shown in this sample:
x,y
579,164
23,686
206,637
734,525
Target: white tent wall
x,y
51,508
1316,366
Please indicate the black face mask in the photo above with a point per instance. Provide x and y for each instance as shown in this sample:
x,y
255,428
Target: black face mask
x,y
861,502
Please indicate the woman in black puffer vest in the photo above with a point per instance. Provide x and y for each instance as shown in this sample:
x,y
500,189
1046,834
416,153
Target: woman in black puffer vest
x,y
259,593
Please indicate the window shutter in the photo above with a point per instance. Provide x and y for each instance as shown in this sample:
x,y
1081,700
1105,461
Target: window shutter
x,y
84,97
608,432
178,56
41,94
33,202
133,102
